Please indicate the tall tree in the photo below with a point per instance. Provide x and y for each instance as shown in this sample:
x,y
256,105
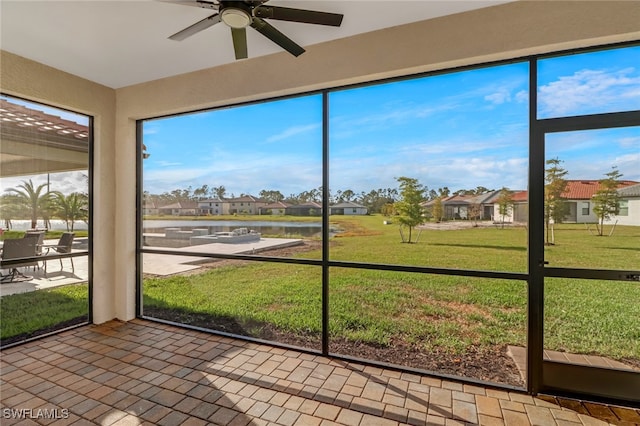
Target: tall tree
x,y
555,206
474,212
10,208
271,196
607,200
219,191
347,195
437,211
70,208
409,208
33,198
202,192
505,204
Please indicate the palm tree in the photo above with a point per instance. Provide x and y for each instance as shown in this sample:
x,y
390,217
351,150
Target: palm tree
x,y
33,198
70,208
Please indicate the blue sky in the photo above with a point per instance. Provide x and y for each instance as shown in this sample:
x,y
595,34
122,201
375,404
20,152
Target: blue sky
x,y
460,130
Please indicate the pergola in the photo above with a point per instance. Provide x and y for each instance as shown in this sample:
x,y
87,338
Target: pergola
x,y
34,142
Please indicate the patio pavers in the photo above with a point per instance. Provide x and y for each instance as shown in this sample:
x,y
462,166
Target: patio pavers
x,y
142,372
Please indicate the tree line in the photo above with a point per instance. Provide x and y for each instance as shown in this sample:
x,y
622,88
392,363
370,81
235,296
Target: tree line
x,y
375,200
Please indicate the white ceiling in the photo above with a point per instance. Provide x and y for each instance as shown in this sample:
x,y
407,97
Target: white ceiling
x,y
123,42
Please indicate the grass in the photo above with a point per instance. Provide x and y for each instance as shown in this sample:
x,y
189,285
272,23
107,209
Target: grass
x,y
428,312
26,314
431,312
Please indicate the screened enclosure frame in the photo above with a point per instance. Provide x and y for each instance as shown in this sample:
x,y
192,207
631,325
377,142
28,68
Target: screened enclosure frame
x,y
536,270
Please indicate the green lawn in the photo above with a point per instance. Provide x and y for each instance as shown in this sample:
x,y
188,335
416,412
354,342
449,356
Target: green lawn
x,y
429,312
384,308
26,314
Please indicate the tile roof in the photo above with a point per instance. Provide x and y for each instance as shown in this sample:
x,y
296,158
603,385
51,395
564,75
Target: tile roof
x,y
520,196
585,189
630,191
276,205
348,204
244,198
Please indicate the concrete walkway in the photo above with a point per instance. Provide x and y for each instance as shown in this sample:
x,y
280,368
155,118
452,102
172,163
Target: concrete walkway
x,y
145,373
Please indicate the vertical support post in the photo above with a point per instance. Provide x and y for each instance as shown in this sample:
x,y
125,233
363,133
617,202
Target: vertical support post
x,y
535,306
325,223
139,216
91,206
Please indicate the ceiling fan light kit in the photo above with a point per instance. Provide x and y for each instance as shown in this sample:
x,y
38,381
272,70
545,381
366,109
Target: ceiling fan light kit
x,y
235,17
238,15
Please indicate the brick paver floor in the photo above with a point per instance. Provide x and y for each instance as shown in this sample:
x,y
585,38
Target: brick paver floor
x,y
146,373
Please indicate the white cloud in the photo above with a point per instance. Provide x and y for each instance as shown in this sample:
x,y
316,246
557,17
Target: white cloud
x,y
522,96
164,163
499,97
65,182
629,142
589,90
293,131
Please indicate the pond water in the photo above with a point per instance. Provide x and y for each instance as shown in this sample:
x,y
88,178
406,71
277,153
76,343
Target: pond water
x,y
56,225
265,227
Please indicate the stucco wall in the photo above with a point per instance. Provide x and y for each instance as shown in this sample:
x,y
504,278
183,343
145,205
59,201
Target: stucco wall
x,y
633,216
502,32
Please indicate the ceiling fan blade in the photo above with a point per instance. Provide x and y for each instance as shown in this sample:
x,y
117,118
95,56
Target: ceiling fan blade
x,y
267,30
196,28
205,4
239,42
298,15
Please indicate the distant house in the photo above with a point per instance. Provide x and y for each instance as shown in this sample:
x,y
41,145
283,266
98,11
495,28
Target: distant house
x,y
310,208
277,209
348,208
629,213
519,211
579,198
211,206
181,208
246,204
150,208
461,207
579,194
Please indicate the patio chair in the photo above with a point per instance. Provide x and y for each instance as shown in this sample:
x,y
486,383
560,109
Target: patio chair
x,y
39,237
64,246
21,248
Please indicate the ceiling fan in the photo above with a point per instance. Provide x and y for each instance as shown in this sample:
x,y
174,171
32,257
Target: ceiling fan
x,y
239,15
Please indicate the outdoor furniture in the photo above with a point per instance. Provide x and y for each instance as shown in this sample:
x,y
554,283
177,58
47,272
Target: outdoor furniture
x,y
13,249
39,237
64,246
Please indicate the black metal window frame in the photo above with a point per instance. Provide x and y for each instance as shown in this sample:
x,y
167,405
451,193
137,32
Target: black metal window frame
x,y
89,252
534,277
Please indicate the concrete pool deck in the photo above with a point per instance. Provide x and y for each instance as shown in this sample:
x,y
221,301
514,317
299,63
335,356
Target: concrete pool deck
x,y
152,263
168,264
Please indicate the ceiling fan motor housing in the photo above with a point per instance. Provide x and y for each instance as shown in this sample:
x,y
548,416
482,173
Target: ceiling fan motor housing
x,y
236,14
